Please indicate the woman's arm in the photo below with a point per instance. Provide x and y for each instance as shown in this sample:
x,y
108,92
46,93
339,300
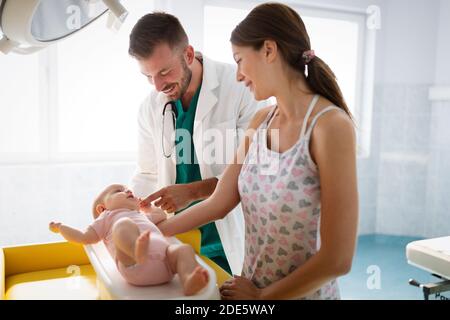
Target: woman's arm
x,y
224,198
334,146
222,201
74,235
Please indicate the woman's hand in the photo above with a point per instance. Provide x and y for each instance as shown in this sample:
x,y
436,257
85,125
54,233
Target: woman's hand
x,y
240,288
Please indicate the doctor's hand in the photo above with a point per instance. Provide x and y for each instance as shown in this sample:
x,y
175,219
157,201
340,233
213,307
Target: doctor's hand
x,y
171,199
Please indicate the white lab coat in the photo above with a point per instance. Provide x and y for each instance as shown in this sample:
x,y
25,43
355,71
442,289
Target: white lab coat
x,y
223,104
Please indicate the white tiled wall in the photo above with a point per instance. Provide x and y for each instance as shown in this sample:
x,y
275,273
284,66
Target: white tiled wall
x,y
438,180
411,135
413,168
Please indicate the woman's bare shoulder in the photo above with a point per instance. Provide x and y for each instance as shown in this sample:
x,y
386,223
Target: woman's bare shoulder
x,y
259,117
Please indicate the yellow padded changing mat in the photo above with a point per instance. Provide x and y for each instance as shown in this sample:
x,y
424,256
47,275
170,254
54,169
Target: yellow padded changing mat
x,y
48,271
42,271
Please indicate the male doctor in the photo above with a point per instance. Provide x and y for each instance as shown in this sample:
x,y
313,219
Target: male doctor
x,y
184,146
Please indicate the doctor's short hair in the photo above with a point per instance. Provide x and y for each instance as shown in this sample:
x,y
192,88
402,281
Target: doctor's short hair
x,y
154,29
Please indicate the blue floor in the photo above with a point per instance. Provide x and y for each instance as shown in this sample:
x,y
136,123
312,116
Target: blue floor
x,y
383,258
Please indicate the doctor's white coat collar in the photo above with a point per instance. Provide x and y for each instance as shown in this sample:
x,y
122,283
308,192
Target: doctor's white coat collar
x,y
207,99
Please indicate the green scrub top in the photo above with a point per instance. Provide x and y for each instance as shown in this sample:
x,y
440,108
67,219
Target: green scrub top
x,y
188,171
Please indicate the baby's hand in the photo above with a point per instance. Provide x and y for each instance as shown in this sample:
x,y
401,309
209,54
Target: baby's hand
x,y
153,213
146,208
157,210
54,226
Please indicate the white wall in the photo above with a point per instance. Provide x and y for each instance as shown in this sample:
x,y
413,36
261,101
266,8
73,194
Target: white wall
x,y
443,46
438,201
412,57
408,41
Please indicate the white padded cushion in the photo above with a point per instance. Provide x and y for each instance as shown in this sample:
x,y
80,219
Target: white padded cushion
x,y
432,255
112,285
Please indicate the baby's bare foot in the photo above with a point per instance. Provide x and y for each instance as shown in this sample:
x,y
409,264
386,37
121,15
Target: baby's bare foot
x,y
141,247
196,281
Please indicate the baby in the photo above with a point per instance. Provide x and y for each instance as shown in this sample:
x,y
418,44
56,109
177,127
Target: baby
x,y
142,254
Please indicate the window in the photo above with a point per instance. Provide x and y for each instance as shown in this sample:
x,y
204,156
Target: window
x,y
19,121
76,100
337,36
336,42
99,90
219,22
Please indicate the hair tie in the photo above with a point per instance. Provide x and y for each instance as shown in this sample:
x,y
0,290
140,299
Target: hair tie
x,y
307,56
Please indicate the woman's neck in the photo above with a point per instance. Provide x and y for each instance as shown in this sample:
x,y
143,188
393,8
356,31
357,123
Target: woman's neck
x,y
293,97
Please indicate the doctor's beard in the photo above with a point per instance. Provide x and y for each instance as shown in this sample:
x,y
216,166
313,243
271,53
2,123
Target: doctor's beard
x,y
184,82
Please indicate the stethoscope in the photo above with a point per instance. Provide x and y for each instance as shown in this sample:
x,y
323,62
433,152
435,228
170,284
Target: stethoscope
x,y
174,113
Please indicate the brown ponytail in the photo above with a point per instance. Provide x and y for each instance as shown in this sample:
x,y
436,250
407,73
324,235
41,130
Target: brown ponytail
x,y
282,24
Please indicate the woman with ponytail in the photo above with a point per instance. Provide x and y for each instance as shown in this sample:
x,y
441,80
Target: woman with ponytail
x,y
297,181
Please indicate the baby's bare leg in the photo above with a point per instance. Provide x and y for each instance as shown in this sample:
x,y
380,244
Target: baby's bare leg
x,y
182,261
141,247
124,235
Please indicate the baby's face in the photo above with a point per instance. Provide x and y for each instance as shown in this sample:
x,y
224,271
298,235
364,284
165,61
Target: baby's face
x,y
117,196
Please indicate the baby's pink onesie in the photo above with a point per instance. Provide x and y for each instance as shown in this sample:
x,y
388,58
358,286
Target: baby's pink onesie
x,y
155,270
